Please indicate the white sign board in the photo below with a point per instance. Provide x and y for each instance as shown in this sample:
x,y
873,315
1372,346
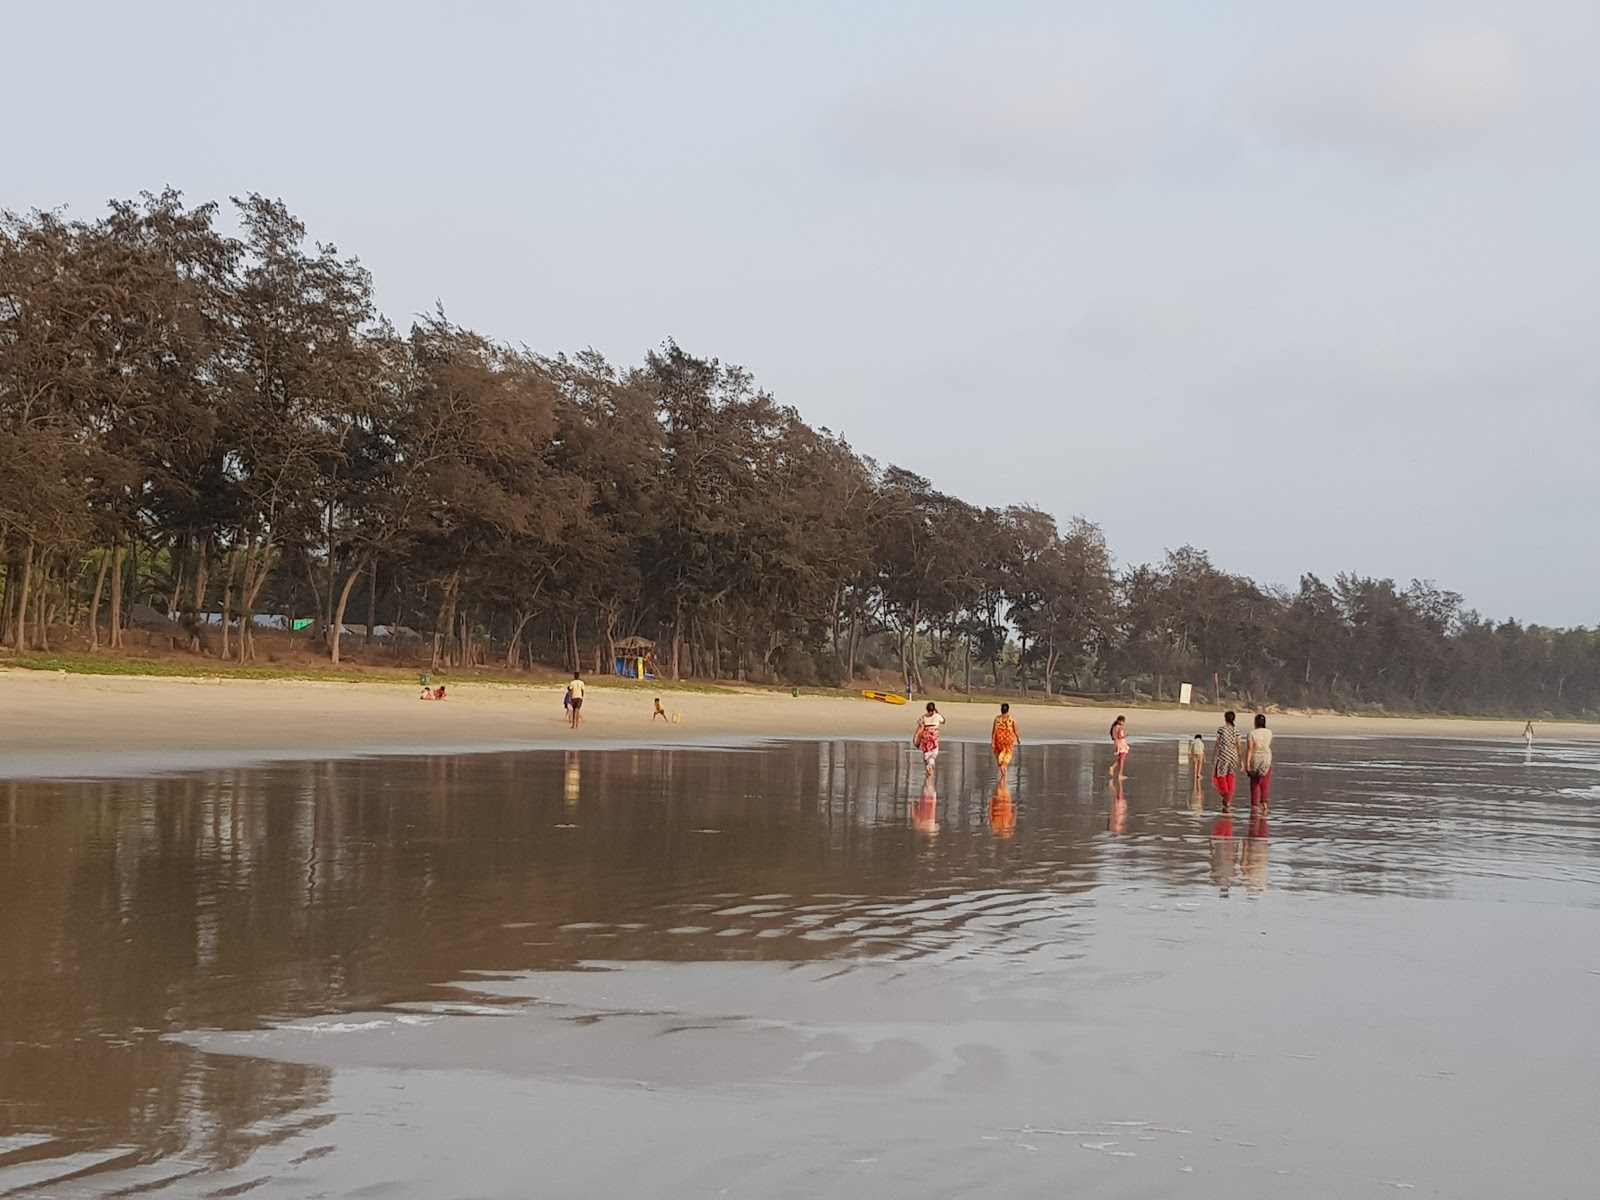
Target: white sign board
x,y
1185,693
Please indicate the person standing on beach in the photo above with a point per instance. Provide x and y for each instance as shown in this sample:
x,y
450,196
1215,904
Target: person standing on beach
x,y
1197,756
1004,739
1119,741
1258,764
1225,759
1527,735
575,700
926,737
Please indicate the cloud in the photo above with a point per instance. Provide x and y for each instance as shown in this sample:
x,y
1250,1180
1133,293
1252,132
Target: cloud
x,y
1054,108
1418,93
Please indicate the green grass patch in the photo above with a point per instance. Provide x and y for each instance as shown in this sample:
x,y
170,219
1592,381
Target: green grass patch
x,y
116,665
94,664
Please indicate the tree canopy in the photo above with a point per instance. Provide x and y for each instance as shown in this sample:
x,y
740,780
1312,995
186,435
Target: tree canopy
x,y
223,426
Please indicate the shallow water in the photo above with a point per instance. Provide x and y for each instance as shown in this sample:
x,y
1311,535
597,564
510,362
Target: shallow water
x,y
796,972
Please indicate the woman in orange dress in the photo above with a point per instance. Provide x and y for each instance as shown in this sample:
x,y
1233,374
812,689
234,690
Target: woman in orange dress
x,y
1004,739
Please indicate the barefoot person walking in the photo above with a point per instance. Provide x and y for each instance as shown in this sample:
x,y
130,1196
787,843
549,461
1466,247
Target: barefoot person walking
x,y
1119,742
575,700
926,737
1225,759
1258,764
1004,739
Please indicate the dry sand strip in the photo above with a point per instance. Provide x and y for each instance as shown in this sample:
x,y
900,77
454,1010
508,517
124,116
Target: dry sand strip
x,y
76,726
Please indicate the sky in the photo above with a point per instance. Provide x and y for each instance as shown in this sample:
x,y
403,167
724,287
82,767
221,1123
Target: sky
x,y
1311,286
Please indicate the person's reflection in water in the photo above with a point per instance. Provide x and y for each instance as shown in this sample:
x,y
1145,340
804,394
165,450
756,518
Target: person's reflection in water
x,y
570,791
1224,853
1197,798
1117,820
925,812
1255,856
1002,811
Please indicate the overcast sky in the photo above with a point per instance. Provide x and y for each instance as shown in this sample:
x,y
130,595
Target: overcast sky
x,y
1313,286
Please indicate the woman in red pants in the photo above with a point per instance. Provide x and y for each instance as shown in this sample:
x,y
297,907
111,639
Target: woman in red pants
x,y
1258,764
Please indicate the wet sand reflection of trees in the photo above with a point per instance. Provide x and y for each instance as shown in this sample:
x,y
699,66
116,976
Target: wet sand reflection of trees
x,y
241,898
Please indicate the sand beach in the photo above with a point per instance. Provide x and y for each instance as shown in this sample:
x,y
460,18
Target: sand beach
x,y
92,726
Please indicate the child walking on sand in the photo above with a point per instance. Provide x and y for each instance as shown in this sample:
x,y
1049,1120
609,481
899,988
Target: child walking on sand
x,y
659,712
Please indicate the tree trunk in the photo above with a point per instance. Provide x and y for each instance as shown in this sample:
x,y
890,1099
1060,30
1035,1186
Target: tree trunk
x,y
227,604
331,574
19,624
337,627
445,618
515,646
94,605
253,577
116,595
202,585
40,591
372,603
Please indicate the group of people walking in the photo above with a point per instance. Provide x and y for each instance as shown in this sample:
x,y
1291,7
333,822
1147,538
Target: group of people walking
x,y
1231,753
1253,753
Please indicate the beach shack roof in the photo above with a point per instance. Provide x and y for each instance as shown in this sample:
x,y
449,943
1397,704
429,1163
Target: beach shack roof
x,y
634,645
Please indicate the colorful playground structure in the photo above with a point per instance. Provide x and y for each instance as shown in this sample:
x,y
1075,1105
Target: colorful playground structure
x,y
635,658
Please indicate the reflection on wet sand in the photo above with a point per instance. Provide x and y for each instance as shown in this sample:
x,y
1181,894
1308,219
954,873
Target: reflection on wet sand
x,y
573,778
1254,855
925,813
1224,854
1002,810
347,898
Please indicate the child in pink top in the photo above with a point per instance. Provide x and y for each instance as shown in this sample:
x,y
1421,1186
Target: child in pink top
x,y
1119,741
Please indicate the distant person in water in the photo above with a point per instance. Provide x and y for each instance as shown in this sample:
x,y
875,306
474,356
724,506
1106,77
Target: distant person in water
x,y
1197,756
926,737
575,700
1119,743
1225,759
1527,734
1004,738
1258,763
659,712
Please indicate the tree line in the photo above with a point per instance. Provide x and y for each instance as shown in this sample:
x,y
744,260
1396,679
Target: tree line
x,y
222,425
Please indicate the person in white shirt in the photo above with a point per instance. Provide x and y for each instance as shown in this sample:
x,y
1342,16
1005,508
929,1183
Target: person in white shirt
x,y
1258,764
575,700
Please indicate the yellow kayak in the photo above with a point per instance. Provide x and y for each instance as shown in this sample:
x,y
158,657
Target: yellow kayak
x,y
886,697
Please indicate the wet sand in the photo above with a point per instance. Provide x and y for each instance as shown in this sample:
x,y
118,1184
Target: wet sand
x,y
799,971
93,726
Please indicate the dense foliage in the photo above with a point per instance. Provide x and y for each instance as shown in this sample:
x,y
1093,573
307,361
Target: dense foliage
x,y
216,424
